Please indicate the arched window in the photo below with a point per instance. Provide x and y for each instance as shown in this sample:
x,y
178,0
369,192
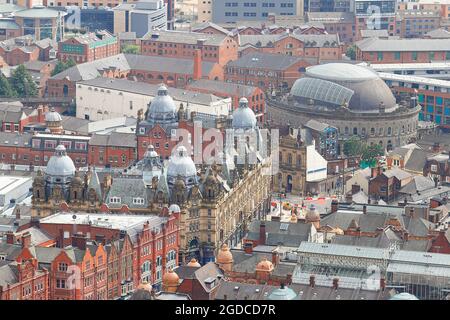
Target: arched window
x,y
355,130
346,130
372,131
160,77
389,131
290,158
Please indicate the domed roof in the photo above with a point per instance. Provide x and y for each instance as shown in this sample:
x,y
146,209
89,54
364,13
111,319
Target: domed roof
x,y
170,278
282,293
145,286
224,256
341,72
150,153
60,164
336,84
312,215
181,164
162,108
244,117
265,265
404,296
193,263
174,208
52,116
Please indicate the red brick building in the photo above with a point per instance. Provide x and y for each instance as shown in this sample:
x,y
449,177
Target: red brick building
x,y
149,251
255,96
22,279
88,47
216,48
376,50
266,71
321,46
115,149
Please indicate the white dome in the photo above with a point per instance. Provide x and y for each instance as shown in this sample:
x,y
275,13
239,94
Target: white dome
x,y
60,164
403,296
174,208
162,107
150,153
52,116
244,117
181,164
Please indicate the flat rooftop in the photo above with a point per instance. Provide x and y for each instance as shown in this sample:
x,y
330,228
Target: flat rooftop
x,y
111,221
9,183
415,79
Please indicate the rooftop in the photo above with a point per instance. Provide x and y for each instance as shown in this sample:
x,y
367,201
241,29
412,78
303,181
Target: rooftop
x,y
377,45
110,221
184,37
265,61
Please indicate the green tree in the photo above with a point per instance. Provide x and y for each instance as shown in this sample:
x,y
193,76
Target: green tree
x,y
351,52
22,83
131,48
372,152
5,87
61,66
353,147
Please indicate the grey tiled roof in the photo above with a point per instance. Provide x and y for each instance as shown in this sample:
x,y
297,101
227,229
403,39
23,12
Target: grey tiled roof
x,y
127,189
221,86
292,237
265,61
9,274
375,44
14,139
209,270
438,34
207,24
115,139
185,37
418,184
313,40
151,89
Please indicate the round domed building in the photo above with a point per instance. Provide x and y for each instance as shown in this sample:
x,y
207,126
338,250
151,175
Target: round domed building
x,y
162,108
351,98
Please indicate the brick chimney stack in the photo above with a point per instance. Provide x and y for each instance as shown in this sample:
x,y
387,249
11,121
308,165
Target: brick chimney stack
x,y
10,238
262,233
197,64
26,240
312,281
336,283
334,205
79,241
248,248
382,284
275,257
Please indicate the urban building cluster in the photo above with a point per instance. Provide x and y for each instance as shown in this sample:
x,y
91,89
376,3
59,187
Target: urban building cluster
x,y
225,150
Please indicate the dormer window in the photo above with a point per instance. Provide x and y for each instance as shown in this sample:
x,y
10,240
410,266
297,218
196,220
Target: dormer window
x,y
116,200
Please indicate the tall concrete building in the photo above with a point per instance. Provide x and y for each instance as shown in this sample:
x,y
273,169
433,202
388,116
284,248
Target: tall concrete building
x,y
229,11
140,17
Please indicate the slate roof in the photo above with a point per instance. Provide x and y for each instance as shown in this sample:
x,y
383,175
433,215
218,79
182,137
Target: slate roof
x,y
398,173
114,139
383,240
9,274
75,124
243,262
223,87
310,40
127,189
184,37
402,45
13,139
265,61
418,184
292,237
10,251
209,271
151,90
208,24
38,236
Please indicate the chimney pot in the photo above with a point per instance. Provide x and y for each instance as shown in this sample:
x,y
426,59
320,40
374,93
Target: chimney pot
x,y
312,281
336,283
